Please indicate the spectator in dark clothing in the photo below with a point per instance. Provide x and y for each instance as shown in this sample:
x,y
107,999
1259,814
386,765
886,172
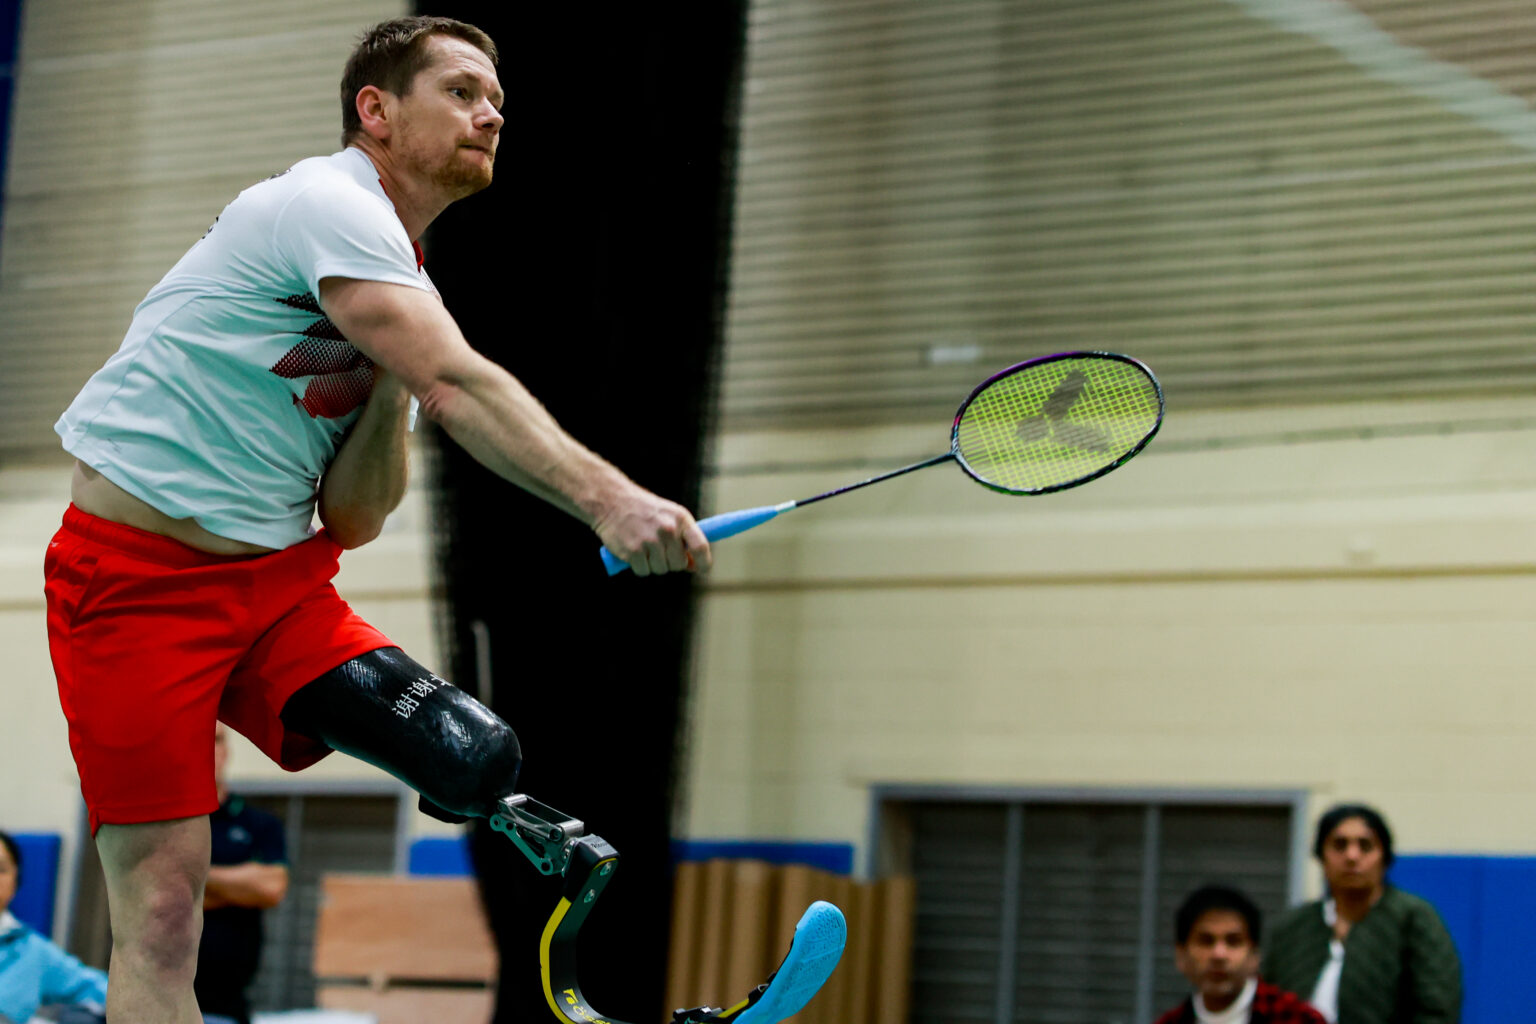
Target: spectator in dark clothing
x,y
248,875
1367,953
1216,945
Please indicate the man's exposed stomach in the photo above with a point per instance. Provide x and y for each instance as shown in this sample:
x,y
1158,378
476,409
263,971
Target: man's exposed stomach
x,y
94,494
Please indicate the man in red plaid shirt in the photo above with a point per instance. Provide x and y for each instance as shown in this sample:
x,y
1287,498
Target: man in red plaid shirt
x,y
1217,948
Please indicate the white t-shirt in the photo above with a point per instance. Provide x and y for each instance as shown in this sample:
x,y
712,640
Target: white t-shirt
x,y
1325,994
1240,1012
232,390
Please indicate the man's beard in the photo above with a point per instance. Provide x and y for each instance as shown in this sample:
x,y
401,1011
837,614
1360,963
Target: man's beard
x,y
460,178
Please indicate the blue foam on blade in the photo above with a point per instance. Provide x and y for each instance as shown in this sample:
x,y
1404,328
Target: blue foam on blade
x,y
813,955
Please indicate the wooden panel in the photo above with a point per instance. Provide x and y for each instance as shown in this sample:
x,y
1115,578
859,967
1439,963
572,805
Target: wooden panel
x,y
891,972
734,920
411,1005
748,945
687,925
403,928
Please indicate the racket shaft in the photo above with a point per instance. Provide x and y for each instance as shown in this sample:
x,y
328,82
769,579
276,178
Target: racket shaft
x,y
726,524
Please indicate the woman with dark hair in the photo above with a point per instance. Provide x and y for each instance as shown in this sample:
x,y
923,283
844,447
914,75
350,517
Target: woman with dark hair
x,y
33,971
1367,953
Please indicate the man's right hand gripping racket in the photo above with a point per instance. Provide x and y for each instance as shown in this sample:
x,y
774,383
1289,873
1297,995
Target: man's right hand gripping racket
x,y
1037,427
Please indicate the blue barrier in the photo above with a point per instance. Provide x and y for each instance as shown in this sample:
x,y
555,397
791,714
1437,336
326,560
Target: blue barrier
x,y
1489,905
834,857
34,901
440,856
437,855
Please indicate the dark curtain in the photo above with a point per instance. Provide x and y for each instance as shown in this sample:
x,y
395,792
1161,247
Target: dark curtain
x,y
594,269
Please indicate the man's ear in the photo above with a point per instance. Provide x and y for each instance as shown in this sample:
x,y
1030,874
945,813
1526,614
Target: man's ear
x,y
1181,960
374,108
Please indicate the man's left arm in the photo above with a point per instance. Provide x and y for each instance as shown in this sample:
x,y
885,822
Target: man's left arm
x,y
245,885
367,479
261,881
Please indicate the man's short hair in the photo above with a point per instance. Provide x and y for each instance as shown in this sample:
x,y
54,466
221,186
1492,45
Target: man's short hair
x,y
14,850
1216,897
390,54
1337,815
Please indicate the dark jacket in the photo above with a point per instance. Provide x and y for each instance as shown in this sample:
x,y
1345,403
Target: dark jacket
x,y
1400,965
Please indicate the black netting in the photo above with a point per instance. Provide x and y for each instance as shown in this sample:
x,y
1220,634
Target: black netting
x,y
595,270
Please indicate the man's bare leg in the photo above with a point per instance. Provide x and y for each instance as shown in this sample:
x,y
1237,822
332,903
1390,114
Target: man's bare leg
x,y
155,875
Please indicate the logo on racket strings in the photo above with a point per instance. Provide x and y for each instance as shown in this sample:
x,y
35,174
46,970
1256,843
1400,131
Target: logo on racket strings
x,y
1052,423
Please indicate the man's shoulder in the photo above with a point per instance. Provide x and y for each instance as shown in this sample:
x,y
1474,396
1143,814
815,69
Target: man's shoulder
x,y
318,190
1273,1005
1181,1014
324,180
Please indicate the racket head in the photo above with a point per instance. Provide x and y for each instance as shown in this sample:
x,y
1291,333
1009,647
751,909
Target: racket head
x,y
1056,422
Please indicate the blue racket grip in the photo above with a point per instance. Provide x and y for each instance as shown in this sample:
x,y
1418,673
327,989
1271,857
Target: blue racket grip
x,y
726,524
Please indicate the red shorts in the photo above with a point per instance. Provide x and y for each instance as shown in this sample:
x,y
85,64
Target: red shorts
x,y
152,641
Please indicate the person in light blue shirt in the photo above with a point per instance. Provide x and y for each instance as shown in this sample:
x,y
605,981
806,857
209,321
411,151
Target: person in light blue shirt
x,y
33,971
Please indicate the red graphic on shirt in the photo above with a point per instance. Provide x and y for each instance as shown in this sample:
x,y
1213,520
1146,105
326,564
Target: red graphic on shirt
x,y
343,376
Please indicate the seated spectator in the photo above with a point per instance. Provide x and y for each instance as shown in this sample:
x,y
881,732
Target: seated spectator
x,y
1216,945
1366,953
33,971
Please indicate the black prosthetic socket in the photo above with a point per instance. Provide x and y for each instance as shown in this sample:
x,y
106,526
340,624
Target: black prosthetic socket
x,y
384,708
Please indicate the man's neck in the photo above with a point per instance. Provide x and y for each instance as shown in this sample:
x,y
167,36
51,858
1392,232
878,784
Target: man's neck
x,y
1218,1004
416,205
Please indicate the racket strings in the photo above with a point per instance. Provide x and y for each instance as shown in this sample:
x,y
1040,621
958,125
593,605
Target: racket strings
x,y
1053,423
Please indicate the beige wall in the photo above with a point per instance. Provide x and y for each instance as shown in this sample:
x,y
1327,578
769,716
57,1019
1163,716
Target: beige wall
x,y
1349,617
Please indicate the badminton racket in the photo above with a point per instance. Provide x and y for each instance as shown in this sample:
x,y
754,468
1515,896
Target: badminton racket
x,y
1043,425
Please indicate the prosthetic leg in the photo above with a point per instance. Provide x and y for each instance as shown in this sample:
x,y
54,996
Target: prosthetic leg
x,y
463,759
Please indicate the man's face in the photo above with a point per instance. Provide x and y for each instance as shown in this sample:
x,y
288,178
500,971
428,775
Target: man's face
x,y
1219,957
449,123
1352,857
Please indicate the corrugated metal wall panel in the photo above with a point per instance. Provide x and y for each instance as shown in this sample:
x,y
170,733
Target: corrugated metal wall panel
x,y
134,123
957,861
1079,914
1081,902
1280,203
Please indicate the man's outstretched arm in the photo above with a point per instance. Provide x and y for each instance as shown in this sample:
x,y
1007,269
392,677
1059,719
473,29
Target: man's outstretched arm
x,y
485,409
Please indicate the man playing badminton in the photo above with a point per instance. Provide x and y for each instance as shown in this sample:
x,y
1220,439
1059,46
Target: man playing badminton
x,y
268,376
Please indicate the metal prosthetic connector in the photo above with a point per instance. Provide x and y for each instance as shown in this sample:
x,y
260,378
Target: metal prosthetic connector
x,y
546,836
